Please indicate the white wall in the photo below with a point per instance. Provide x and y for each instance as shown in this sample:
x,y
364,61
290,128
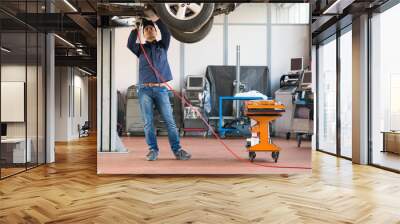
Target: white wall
x,y
71,87
249,13
289,13
252,40
288,41
80,108
125,62
15,72
61,103
209,51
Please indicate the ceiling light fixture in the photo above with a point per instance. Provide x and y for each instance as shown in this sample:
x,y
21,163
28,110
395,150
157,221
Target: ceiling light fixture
x,y
70,5
337,7
84,71
5,50
64,40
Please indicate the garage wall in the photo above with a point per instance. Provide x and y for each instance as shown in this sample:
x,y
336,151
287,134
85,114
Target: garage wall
x,y
288,41
247,26
252,40
249,13
125,62
209,51
288,13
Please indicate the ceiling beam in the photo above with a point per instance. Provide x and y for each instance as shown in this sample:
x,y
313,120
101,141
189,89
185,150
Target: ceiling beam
x,y
80,20
81,61
84,24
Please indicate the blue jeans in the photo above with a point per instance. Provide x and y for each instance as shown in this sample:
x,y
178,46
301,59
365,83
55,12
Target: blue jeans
x,y
158,97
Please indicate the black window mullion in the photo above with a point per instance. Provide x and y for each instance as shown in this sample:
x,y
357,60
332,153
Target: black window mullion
x,y
369,79
316,97
26,87
110,53
0,95
45,88
338,93
101,93
45,96
37,90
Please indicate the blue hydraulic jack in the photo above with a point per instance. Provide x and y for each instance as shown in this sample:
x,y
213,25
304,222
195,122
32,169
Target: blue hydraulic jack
x,y
239,127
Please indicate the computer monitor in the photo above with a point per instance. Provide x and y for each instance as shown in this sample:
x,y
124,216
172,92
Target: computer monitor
x,y
296,64
307,78
3,130
195,82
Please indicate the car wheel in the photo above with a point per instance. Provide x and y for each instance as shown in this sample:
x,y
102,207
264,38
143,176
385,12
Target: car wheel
x,y
192,37
187,17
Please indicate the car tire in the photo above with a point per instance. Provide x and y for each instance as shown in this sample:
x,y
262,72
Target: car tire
x,y
191,20
193,37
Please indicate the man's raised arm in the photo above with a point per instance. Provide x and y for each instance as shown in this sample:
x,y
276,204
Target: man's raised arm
x,y
132,45
165,34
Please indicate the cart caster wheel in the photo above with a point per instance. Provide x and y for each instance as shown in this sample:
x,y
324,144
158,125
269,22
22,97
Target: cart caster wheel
x,y
275,156
252,156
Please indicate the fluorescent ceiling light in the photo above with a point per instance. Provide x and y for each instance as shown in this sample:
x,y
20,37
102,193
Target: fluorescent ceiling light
x,y
338,6
5,50
70,5
84,71
334,5
65,41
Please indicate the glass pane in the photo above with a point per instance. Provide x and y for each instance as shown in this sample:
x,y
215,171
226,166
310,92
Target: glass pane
x,y
386,89
41,99
13,86
31,97
32,86
346,94
327,97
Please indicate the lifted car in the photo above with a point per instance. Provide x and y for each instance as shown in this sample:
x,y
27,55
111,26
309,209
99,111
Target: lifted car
x,y
188,22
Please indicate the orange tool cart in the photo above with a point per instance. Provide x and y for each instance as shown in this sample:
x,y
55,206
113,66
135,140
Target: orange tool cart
x,y
262,112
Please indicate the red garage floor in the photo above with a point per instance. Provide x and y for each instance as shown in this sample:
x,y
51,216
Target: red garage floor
x,y
208,157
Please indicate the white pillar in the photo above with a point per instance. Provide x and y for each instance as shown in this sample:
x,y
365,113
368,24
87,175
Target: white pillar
x,y
103,89
360,90
50,98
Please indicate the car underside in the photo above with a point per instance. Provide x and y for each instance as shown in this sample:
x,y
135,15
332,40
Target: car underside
x,y
187,22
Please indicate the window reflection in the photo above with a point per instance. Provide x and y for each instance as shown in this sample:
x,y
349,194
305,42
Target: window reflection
x,y
327,97
22,89
346,94
385,84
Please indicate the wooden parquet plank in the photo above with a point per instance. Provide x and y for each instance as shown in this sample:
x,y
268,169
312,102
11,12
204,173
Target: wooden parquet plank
x,y
70,191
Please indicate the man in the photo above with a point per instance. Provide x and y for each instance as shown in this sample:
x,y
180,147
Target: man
x,y
153,90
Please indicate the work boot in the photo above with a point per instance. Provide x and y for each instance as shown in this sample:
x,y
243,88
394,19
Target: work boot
x,y
182,155
152,155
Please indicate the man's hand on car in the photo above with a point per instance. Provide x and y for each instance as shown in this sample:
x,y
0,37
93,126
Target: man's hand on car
x,y
150,14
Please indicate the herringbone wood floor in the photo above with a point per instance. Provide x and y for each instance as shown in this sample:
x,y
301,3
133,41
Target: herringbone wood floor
x,y
69,191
